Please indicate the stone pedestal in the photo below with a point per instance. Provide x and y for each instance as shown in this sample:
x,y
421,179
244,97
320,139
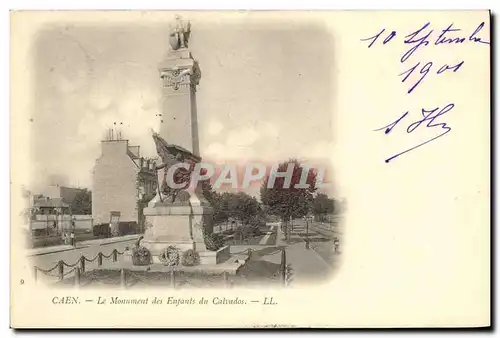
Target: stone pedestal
x,y
180,224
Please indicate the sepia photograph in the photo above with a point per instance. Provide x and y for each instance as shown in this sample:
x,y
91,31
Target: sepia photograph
x,y
244,107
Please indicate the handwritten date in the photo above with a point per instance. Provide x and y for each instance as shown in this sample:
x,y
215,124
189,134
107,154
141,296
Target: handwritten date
x,y
425,69
422,37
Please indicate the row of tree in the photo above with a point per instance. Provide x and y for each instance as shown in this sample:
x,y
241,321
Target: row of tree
x,y
322,206
232,206
289,200
286,200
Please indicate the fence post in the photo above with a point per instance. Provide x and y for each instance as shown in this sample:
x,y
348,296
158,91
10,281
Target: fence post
x,y
77,277
99,259
115,255
122,278
172,278
82,263
61,270
283,267
35,273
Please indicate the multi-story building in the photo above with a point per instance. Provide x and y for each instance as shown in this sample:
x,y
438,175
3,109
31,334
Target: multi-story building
x,y
123,182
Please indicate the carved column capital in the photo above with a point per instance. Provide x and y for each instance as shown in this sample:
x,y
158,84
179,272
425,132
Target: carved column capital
x,y
181,77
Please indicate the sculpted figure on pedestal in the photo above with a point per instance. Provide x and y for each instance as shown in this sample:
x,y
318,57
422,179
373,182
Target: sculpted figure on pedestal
x,y
172,155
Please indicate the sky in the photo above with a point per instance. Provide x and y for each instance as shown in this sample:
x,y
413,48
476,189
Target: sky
x,y
265,92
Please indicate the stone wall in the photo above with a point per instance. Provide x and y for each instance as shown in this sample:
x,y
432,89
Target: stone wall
x,y
62,221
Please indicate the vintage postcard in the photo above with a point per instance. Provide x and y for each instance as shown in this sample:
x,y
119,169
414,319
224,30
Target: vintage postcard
x,y
246,169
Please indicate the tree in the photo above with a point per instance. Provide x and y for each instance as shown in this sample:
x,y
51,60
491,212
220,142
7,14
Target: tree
x,y
226,205
217,202
208,193
243,207
82,203
289,201
322,205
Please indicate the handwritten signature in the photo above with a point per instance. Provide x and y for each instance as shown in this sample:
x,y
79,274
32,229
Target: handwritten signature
x,y
429,116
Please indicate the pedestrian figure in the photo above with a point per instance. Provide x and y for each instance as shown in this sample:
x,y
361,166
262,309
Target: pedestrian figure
x,y
72,236
67,239
336,243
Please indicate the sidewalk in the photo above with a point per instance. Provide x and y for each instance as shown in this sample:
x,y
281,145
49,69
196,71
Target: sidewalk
x,y
104,241
79,245
48,249
306,265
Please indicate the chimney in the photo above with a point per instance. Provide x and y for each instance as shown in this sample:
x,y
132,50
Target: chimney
x,y
113,147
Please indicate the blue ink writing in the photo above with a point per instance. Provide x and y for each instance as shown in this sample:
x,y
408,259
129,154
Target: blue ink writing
x,y
376,36
425,36
443,39
416,41
425,70
429,116
421,38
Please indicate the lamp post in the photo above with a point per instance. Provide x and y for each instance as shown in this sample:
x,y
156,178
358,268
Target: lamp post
x,y
73,227
307,233
62,222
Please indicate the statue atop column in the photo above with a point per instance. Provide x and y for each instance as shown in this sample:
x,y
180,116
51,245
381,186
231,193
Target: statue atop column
x,y
179,34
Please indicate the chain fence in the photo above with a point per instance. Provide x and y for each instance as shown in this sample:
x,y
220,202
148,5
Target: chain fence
x,y
129,278
78,265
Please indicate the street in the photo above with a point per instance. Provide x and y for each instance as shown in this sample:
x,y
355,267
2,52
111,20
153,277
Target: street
x,y
320,238
314,264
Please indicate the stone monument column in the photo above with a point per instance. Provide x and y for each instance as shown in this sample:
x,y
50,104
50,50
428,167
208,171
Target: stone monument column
x,y
180,74
180,222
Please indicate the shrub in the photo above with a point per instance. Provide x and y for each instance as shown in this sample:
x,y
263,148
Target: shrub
x,y
257,221
214,242
190,258
40,232
241,233
169,256
272,218
141,256
253,229
247,231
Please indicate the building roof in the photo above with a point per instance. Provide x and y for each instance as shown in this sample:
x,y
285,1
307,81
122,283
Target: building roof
x,y
67,194
50,203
